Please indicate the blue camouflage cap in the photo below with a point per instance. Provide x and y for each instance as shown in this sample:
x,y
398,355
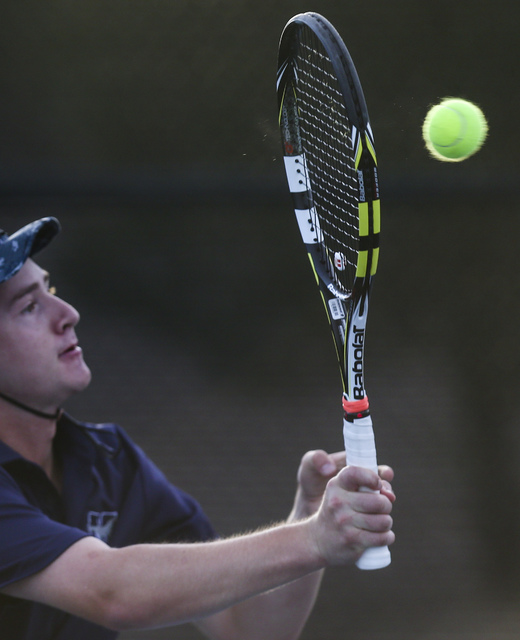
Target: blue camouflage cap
x,y
24,243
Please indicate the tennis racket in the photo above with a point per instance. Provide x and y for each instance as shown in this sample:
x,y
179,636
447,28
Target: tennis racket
x,y
331,168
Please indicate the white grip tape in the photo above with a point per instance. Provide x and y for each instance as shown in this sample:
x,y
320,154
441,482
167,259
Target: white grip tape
x,y
359,443
360,448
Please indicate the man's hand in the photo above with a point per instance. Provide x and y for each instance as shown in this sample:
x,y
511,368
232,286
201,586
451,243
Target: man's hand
x,y
316,469
351,520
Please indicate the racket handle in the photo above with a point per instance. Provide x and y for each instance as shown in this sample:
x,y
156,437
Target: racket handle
x,y
360,448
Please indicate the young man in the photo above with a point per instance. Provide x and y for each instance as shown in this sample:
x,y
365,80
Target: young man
x,y
93,539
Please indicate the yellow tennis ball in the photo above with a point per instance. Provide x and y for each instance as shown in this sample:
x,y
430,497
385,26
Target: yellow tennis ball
x,y
454,130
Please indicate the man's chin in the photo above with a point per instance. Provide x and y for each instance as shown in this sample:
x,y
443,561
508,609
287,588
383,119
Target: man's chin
x,y
81,383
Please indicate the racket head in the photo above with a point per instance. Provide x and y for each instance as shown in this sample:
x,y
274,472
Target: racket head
x,y
331,166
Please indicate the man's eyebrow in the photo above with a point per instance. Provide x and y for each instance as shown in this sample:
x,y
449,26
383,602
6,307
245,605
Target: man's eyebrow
x,y
29,288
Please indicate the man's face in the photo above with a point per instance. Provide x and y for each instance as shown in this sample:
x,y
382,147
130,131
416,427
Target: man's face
x,y
41,363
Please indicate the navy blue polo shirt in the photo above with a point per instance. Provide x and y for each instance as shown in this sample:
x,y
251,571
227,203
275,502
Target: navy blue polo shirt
x,y
111,490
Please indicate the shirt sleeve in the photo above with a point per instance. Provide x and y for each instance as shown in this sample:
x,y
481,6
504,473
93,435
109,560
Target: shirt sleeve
x,y
29,540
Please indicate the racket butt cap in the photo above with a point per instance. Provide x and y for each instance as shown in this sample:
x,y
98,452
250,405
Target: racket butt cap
x,y
374,558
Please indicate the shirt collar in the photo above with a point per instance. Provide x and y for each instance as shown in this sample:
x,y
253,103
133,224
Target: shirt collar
x,y
70,434
7,454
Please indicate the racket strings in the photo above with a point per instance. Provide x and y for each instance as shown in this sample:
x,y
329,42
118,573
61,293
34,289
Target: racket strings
x,y
327,142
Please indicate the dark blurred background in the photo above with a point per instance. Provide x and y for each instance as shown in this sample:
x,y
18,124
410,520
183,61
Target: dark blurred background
x,y
149,129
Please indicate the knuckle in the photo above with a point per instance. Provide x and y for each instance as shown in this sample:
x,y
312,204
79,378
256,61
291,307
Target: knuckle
x,y
335,502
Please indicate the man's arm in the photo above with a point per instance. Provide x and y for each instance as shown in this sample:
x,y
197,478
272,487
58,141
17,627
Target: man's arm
x,y
283,612
144,586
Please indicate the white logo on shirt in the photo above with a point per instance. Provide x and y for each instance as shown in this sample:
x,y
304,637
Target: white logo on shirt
x,y
100,523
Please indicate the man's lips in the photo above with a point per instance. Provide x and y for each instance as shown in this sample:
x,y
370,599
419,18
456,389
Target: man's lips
x,y
71,350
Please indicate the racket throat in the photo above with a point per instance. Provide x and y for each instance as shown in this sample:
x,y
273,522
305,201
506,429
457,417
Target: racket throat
x,y
355,352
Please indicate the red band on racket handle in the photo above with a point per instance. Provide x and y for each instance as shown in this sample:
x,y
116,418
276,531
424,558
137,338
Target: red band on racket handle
x,y
355,406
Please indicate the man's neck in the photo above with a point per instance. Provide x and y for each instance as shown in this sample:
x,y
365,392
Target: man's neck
x,y
30,436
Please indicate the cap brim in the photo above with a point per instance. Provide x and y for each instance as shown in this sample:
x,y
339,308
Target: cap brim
x,y
24,243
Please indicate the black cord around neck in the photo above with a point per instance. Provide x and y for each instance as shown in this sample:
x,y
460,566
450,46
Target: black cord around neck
x,y
40,414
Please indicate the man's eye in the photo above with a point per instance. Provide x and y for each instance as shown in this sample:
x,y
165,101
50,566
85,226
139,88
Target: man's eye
x,y
29,308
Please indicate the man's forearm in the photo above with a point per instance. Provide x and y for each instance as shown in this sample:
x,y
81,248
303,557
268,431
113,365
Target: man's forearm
x,y
206,578
280,613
